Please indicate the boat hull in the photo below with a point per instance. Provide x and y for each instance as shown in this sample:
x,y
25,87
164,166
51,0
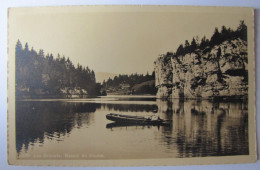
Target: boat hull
x,y
129,124
132,119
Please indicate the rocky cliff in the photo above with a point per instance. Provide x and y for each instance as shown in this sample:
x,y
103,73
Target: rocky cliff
x,y
219,71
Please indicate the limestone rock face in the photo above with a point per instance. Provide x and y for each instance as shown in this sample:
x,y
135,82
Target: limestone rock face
x,y
220,71
163,68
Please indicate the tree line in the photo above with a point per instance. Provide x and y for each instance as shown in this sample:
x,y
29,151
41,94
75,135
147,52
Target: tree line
x,y
36,72
217,38
132,80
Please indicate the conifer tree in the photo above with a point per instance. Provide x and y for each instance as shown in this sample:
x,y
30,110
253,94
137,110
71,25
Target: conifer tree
x,y
193,44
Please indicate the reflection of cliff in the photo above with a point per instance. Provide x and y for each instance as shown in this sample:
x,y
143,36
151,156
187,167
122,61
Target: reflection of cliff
x,y
214,72
203,128
164,109
34,120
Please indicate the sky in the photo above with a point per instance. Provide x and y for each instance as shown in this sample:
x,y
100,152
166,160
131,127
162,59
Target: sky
x,y
121,40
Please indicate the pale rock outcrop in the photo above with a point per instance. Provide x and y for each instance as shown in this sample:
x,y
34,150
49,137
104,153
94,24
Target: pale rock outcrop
x,y
163,67
220,71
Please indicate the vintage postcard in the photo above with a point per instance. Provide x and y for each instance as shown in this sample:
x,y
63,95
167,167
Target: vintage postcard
x,y
131,85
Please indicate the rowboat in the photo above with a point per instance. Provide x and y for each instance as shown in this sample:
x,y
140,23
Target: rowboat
x,y
127,124
120,118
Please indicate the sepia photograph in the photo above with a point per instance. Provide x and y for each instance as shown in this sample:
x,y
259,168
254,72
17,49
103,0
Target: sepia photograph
x,y
139,85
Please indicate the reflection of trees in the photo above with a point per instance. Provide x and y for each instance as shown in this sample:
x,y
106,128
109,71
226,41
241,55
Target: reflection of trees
x,y
55,119
130,107
204,128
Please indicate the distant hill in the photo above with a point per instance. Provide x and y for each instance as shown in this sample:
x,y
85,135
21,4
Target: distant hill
x,y
101,76
138,86
147,87
130,84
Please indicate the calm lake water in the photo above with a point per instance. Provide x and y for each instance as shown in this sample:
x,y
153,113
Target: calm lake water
x,y
78,128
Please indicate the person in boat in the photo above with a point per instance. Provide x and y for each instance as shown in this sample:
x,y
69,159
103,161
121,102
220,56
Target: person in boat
x,y
155,117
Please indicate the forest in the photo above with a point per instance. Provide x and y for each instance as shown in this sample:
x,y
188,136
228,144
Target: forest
x,y
40,75
129,79
132,84
217,38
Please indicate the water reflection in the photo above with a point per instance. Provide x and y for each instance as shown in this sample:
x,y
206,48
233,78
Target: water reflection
x,y
204,128
198,128
129,107
36,121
